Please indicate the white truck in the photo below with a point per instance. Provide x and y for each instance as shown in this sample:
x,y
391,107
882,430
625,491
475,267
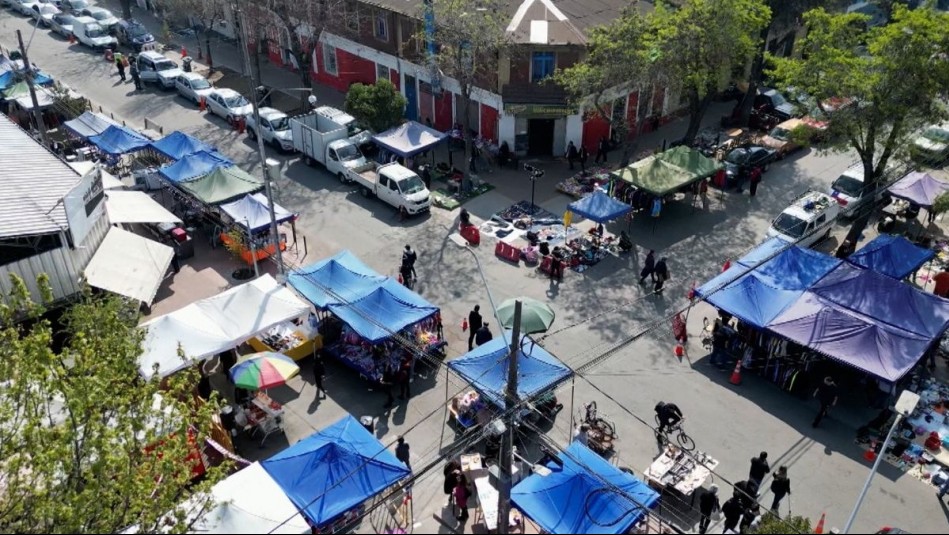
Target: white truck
x,y
320,139
394,184
89,33
357,135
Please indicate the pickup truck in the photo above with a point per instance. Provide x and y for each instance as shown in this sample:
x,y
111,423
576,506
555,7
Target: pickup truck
x,y
274,129
320,139
394,184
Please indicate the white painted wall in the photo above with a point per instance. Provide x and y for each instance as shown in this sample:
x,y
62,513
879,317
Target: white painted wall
x,y
507,129
574,129
560,137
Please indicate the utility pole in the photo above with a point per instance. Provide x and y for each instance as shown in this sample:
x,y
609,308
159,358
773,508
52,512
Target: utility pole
x,y
37,114
507,440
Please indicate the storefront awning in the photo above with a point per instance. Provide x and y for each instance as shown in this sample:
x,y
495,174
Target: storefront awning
x,y
129,265
136,207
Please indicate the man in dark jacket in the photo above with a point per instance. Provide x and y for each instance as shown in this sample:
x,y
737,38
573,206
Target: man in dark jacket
x,y
483,336
708,504
759,469
662,274
826,393
602,147
408,260
649,267
732,509
474,323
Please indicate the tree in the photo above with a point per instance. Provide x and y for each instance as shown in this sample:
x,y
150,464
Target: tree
x,y
84,448
894,74
772,524
204,15
379,106
701,43
470,37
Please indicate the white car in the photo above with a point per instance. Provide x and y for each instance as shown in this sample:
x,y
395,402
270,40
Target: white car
x,y
61,24
807,220
229,104
274,128
193,86
103,16
24,7
153,67
932,145
847,189
44,13
74,6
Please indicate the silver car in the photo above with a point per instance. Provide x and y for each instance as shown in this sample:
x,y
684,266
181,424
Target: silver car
x,y
24,7
61,24
193,86
229,104
44,13
103,16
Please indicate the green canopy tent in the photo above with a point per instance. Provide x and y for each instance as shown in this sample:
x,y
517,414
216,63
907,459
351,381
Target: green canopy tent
x,y
222,184
669,171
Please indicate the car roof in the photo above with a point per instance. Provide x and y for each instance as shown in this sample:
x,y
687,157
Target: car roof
x,y
227,92
94,9
797,207
86,20
151,54
270,112
192,75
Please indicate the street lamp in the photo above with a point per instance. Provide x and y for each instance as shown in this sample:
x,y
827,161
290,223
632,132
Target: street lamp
x,y
535,174
905,406
463,244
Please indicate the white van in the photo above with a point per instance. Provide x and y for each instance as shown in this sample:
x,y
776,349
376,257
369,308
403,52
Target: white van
x,y
89,33
807,220
847,189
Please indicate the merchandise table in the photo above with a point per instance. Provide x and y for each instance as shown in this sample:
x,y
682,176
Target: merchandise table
x,y
487,493
296,342
264,415
674,470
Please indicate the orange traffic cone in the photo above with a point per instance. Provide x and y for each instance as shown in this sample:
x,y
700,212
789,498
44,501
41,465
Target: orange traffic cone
x,y
726,265
202,104
464,325
72,38
736,374
679,351
820,524
184,51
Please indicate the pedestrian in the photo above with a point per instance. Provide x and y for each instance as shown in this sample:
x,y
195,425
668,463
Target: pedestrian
x,y
754,180
826,393
319,370
759,469
175,262
708,504
747,492
703,192
943,489
402,378
930,215
450,480
749,518
719,344
402,452
662,274
556,264
120,65
386,383
571,154
461,494
780,487
474,324
133,72
731,510
584,156
846,249
649,268
582,434
408,259
483,336
601,149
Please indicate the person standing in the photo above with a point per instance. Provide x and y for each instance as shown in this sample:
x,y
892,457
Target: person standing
x,y
451,467
402,452
483,336
474,324
708,504
319,370
133,72
780,487
584,156
826,393
386,384
719,344
943,489
649,268
120,65
461,494
402,378
662,274
408,260
731,510
601,148
582,434
755,179
759,469
572,154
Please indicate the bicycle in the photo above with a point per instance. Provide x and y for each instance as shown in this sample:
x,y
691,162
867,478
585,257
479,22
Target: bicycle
x,y
602,432
684,441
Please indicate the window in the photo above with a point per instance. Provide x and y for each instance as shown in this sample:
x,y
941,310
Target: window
x,y
329,59
542,65
381,27
351,14
382,72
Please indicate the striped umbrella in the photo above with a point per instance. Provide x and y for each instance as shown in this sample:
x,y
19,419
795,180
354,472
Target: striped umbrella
x,y
260,371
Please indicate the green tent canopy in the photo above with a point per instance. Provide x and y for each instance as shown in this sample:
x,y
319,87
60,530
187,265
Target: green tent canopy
x,y
17,90
222,185
669,171
691,159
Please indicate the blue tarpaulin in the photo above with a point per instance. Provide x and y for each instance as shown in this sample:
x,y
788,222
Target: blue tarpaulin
x,y
586,495
599,207
334,470
177,145
765,251
386,310
118,140
342,274
253,212
193,166
89,124
894,256
486,368
8,78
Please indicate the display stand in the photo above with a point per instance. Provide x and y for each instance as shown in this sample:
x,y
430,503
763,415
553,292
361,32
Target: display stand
x,y
247,255
263,415
468,410
676,471
487,492
294,341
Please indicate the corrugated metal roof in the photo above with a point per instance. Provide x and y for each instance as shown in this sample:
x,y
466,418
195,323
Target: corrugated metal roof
x,y
33,184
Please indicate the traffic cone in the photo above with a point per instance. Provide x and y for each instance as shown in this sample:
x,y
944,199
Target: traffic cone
x,y
202,104
679,351
72,38
241,125
184,52
820,524
736,374
464,325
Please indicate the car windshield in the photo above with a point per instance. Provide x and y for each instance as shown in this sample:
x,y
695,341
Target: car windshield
x,y
738,157
790,225
94,31
780,133
236,102
935,133
412,185
47,9
849,185
348,152
200,83
778,99
280,123
165,65
101,15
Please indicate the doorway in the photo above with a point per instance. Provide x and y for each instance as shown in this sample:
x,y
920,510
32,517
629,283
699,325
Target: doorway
x,y
540,137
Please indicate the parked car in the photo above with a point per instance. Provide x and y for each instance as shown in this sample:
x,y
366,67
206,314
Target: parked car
x,y
773,102
229,104
155,68
23,7
192,86
932,146
133,33
847,189
739,161
784,137
74,6
274,128
89,33
44,13
61,24
807,220
103,16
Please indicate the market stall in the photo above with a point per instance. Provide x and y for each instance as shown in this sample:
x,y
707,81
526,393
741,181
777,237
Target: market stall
x,y
193,166
580,185
893,256
408,140
222,184
129,265
680,473
125,207
919,188
118,140
251,215
649,183
177,145
333,472
294,340
484,479
337,279
89,124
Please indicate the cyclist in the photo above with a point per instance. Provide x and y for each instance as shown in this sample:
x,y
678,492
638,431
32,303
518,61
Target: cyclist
x,y
668,414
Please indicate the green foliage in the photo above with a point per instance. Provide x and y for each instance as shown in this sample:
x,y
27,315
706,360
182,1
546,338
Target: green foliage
x,y
941,204
85,446
771,524
379,106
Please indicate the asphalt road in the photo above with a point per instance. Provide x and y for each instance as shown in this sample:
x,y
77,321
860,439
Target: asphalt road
x,y
599,309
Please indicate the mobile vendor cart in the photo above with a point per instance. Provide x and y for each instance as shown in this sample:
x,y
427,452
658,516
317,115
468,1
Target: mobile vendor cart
x,y
679,473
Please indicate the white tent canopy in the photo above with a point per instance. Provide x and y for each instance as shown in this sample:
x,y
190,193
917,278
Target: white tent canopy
x,y
108,181
136,207
129,265
210,326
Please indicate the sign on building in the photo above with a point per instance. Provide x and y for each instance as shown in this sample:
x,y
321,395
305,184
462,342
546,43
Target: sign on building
x,y
84,205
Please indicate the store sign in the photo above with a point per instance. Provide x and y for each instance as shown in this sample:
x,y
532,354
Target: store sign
x,y
84,205
548,110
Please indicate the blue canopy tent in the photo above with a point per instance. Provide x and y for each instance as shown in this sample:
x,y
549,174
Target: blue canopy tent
x,y
599,207
343,274
409,138
586,495
11,77
194,166
486,367
764,251
894,256
334,470
253,212
177,145
89,124
387,309
118,140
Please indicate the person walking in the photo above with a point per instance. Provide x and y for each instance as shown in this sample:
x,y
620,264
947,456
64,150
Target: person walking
x,y
649,268
826,393
319,370
731,510
571,154
402,378
662,274
483,336
708,504
780,487
747,492
461,495
120,65
133,72
451,467
754,180
601,149
719,354
386,384
402,452
584,156
759,469
474,324
408,260
582,434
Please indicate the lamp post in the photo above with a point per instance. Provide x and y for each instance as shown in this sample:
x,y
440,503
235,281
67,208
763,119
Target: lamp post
x,y
535,174
460,242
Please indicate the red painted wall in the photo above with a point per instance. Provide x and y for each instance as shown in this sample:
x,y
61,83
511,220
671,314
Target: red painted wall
x,y
489,123
443,111
353,69
325,78
426,107
394,76
594,128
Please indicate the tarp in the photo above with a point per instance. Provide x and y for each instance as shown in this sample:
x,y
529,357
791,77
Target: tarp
x,y
486,367
586,495
386,310
664,173
215,324
894,256
343,274
89,124
129,265
117,140
177,145
193,166
692,160
409,138
334,470
222,184
253,212
249,501
136,207
599,207
8,78
920,188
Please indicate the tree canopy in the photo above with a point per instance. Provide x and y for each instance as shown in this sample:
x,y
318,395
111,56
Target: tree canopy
x,y
379,106
87,446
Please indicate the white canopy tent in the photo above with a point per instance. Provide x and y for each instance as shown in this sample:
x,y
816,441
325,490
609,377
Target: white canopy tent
x,y
136,207
108,181
129,265
210,326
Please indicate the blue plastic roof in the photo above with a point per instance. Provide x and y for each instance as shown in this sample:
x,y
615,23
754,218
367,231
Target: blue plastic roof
x,y
486,368
764,251
894,256
599,207
388,309
177,145
89,124
8,78
587,495
117,140
344,274
194,166
253,212
334,470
